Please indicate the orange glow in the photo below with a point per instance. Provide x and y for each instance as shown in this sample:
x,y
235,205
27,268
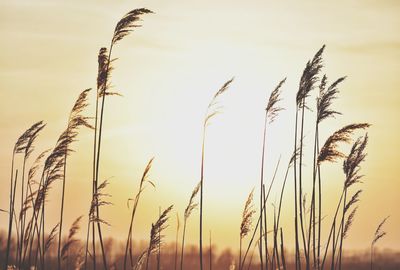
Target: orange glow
x,y
167,72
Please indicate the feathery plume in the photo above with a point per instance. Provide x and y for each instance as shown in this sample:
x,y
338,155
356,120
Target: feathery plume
x,y
98,201
351,166
247,216
212,109
272,108
192,205
103,72
51,237
71,238
309,77
25,141
379,233
35,167
354,199
140,261
329,151
326,96
349,222
156,235
128,23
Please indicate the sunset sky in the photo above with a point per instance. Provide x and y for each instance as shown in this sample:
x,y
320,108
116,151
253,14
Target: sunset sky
x,y
168,70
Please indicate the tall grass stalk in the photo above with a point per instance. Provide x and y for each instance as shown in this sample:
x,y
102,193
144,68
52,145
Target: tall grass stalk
x,y
271,111
307,82
75,121
379,234
178,225
245,226
212,110
129,242
324,102
156,234
126,25
351,168
189,208
259,217
23,145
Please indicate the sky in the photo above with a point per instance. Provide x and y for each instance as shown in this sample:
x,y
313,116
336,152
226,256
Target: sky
x,y
167,72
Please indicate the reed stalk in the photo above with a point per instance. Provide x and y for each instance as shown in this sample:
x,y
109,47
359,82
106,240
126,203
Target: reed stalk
x,y
212,110
188,211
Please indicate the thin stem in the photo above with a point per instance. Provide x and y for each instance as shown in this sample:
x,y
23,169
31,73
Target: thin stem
x,y
98,158
183,242
261,191
341,230
10,213
333,246
22,226
201,200
159,243
240,253
94,187
176,247
332,229
311,227
301,187
319,211
62,209
283,251
259,217
297,255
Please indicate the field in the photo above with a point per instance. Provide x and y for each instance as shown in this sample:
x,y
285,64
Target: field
x,y
293,217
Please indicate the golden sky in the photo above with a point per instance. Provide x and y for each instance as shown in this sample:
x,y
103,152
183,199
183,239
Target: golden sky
x,y
167,72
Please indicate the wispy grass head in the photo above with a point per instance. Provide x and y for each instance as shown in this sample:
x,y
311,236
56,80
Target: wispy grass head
x,y
55,162
247,216
35,167
192,205
330,152
379,233
272,108
309,77
51,237
145,176
213,109
128,23
349,222
98,200
24,143
156,235
326,96
73,230
351,165
104,70
354,199
140,261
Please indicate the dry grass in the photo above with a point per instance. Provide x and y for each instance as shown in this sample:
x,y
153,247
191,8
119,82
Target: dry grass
x,y
32,246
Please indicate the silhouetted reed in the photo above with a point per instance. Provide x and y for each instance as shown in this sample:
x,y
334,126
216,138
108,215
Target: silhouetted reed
x,y
156,235
245,226
124,26
129,243
271,111
212,110
188,211
307,83
24,145
379,234
75,121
